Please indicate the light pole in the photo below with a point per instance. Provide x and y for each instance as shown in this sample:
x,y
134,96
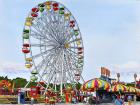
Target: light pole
x,y
135,77
118,76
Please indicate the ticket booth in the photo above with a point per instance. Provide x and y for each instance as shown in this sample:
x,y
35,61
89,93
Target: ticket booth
x,y
35,91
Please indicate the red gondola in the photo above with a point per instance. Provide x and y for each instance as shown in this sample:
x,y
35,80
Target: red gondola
x,y
72,23
80,48
80,52
34,14
55,5
26,45
77,74
55,9
25,50
35,9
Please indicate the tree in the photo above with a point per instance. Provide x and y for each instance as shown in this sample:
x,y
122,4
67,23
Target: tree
x,y
19,82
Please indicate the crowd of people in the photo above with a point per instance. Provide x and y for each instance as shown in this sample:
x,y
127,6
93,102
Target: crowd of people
x,y
120,100
116,99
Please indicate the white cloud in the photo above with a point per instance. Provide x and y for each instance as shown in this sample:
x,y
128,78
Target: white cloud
x,y
128,66
118,2
126,70
9,66
13,70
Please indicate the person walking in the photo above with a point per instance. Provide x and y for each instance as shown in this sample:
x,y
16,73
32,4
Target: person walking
x,y
129,98
118,101
90,100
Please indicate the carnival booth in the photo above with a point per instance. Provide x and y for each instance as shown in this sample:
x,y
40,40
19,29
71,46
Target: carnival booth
x,y
99,86
133,92
95,84
119,88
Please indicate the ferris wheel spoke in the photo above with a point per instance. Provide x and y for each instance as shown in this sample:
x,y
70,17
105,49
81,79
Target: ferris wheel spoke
x,y
76,63
46,59
38,35
70,34
72,51
37,45
45,69
79,39
53,57
39,24
61,28
72,47
35,33
42,53
37,29
42,38
70,65
51,25
56,25
52,70
46,63
49,28
49,79
50,31
41,32
67,64
71,56
73,65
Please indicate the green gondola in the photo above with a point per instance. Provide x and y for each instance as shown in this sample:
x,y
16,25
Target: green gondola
x,y
25,36
33,78
76,33
41,5
61,10
25,31
41,9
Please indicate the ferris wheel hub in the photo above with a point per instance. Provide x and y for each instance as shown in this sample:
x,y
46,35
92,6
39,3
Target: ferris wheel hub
x,y
67,45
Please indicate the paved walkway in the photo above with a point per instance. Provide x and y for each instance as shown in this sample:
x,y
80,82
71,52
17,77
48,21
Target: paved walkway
x,y
137,103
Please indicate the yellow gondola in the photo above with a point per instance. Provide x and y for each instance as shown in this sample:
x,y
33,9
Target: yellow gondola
x,y
28,65
48,3
28,21
67,45
67,16
28,59
78,42
48,7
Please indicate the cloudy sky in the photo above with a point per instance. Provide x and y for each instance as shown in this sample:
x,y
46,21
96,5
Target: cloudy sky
x,y
110,31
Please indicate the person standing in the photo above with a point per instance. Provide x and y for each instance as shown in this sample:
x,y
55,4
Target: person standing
x,y
113,98
118,101
129,98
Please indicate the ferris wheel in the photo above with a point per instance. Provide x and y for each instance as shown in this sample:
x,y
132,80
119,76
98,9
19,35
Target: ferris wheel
x,y
52,44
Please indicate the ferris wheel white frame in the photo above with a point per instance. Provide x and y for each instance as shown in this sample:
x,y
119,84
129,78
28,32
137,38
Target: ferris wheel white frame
x,y
59,43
